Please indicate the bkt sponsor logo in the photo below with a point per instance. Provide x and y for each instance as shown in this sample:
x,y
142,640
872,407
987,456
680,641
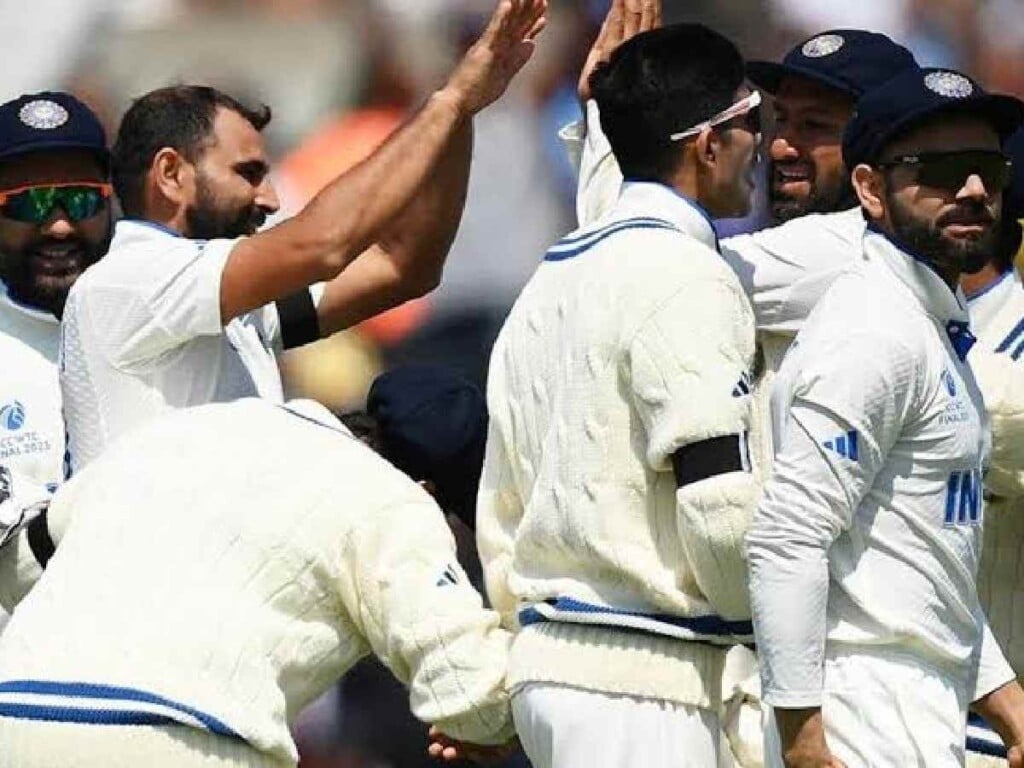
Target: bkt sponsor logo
x,y
963,498
12,416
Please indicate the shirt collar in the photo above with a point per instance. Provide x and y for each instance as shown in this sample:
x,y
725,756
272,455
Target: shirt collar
x,y
40,315
128,231
948,307
651,199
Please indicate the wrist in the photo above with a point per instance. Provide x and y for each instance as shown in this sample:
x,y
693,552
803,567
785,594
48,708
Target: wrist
x,y
453,101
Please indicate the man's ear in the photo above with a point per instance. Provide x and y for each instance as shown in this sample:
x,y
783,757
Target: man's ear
x,y
171,174
870,188
707,145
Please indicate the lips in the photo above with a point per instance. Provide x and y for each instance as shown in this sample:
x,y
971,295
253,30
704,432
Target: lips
x,y
791,180
57,259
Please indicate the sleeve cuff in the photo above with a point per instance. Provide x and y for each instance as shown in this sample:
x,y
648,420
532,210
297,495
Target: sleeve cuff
x,y
785,699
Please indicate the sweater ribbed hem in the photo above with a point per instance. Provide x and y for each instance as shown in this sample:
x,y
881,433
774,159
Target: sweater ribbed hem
x,y
610,661
41,744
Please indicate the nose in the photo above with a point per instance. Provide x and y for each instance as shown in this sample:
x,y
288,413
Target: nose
x,y
973,188
58,226
266,197
781,149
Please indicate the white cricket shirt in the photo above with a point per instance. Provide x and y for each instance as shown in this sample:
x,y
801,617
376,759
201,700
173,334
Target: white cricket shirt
x,y
31,427
142,335
869,530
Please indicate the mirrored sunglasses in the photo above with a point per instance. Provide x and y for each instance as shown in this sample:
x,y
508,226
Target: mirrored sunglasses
x,y
746,112
35,204
950,170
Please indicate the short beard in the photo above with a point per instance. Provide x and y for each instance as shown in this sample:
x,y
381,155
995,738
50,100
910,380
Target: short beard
x,y
209,220
819,201
949,258
48,293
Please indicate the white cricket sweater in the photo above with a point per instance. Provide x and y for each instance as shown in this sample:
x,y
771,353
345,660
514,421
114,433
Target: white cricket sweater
x,y
223,566
632,340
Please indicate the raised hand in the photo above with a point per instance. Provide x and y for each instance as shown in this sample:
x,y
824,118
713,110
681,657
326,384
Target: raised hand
x,y
625,19
505,46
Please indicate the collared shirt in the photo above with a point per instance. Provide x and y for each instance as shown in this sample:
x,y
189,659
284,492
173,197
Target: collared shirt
x,y
31,427
875,503
142,334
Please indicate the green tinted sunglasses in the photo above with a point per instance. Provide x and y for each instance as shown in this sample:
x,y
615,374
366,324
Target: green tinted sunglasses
x,y
35,204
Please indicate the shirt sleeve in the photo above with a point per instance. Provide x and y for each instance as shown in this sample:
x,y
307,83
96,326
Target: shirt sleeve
x,y
172,298
405,590
1001,380
689,377
600,177
994,671
847,411
785,270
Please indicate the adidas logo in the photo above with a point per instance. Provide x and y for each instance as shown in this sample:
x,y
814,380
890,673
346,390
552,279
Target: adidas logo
x,y
448,578
742,387
844,445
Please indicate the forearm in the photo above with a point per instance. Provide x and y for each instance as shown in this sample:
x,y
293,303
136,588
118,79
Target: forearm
x,y
1003,710
408,259
426,156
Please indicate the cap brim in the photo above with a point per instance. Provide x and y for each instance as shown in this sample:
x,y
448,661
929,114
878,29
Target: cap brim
x,y
768,76
46,146
1004,113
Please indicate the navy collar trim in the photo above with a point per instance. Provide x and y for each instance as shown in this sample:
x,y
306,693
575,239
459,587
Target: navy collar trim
x,y
991,286
688,200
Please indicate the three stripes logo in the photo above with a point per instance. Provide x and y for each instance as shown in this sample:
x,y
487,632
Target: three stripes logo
x,y
449,577
844,445
1014,341
742,388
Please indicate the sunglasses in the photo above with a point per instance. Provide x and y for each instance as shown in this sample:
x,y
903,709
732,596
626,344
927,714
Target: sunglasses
x,y
950,170
36,203
746,112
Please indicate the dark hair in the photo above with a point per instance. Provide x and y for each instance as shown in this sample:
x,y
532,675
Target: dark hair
x,y
180,117
365,427
659,83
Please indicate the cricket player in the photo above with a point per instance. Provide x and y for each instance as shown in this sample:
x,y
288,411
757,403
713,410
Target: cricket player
x,y
864,549
54,222
190,306
785,269
219,568
617,488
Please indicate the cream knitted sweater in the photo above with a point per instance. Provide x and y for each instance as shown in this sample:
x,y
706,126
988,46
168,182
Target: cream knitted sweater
x,y
632,340
224,565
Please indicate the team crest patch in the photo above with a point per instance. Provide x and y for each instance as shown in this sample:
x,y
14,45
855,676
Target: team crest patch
x,y
12,416
949,383
43,115
822,45
949,84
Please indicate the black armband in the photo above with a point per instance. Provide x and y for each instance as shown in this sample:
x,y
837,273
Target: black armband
x,y
707,458
299,323
39,540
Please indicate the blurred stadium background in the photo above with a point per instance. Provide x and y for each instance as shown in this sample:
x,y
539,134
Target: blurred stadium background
x,y
339,75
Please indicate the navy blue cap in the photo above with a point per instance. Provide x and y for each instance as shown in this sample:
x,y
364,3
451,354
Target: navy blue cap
x,y
850,60
37,122
433,426
914,96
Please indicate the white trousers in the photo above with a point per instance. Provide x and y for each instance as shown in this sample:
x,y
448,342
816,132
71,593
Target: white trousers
x,y
886,710
38,744
564,727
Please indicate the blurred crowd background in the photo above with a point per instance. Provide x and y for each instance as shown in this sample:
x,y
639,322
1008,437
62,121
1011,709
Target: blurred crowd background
x,y
339,76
